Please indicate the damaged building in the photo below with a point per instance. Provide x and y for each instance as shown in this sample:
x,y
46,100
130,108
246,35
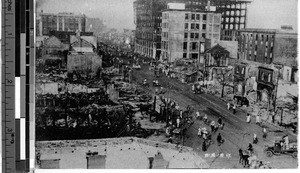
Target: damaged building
x,y
267,64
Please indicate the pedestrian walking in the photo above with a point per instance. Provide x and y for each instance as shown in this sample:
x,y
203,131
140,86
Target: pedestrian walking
x,y
228,106
199,132
258,119
204,148
178,122
264,133
197,114
193,88
255,139
248,118
234,108
219,139
250,148
181,112
212,126
205,118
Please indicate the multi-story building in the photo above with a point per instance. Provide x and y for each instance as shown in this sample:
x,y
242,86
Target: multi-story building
x,y
148,17
184,33
148,22
47,22
234,13
266,58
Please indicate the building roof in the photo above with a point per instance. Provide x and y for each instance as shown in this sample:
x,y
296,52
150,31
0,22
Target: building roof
x,y
189,10
219,50
61,14
273,31
53,41
82,43
126,152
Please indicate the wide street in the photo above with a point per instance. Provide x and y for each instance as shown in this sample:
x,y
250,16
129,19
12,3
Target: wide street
x,y
237,133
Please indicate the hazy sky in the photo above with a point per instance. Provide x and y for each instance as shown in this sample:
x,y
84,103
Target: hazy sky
x,y
115,13
119,13
272,14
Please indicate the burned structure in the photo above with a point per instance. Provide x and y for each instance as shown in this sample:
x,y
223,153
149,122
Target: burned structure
x,y
267,62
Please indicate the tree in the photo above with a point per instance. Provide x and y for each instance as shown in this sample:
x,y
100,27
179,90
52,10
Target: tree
x,y
224,78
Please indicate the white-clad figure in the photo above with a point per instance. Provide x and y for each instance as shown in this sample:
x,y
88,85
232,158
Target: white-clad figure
x,y
197,114
193,88
178,121
257,119
228,106
248,118
205,118
199,131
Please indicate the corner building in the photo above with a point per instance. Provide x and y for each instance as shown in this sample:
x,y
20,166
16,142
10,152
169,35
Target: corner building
x,y
184,33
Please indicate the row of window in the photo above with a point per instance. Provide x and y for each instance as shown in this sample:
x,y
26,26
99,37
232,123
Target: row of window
x,y
193,46
235,13
233,20
194,26
165,34
165,25
194,16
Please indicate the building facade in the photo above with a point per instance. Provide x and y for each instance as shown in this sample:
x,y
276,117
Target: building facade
x,y
184,33
266,58
148,26
47,22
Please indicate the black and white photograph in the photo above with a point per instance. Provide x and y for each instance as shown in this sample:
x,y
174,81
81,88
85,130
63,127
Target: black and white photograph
x,y
166,84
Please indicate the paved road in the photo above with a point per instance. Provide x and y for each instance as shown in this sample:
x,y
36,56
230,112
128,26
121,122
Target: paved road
x,y
237,133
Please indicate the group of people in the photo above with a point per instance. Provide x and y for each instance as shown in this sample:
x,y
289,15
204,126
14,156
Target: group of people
x,y
206,135
230,106
257,119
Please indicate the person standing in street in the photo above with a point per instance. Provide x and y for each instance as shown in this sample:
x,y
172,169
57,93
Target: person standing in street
x,y
264,133
178,122
257,119
248,118
197,114
234,108
228,106
212,126
255,139
219,139
193,88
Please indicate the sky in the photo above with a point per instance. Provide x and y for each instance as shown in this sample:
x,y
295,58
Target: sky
x,y
271,14
115,13
118,14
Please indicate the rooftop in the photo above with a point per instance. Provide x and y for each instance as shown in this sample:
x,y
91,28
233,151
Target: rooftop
x,y
127,152
277,31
